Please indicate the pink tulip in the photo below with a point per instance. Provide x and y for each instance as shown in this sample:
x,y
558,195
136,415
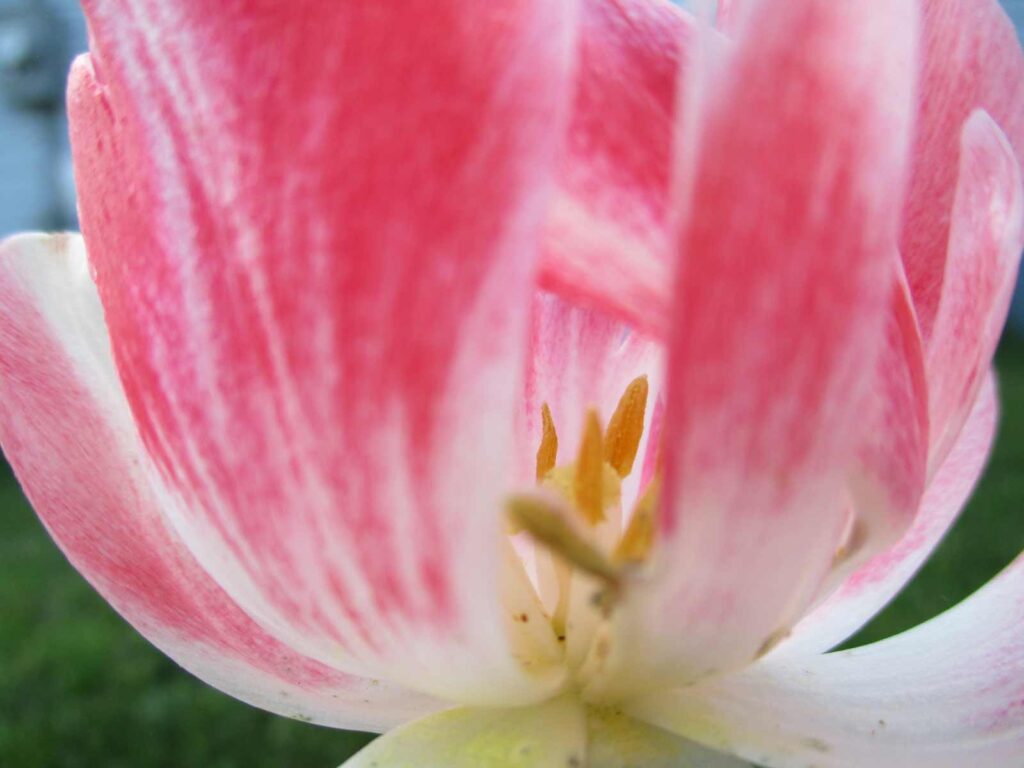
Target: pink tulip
x,y
553,385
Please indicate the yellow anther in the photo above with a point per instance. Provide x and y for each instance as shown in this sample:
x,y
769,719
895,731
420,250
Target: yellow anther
x,y
638,540
548,524
622,439
547,453
562,480
588,475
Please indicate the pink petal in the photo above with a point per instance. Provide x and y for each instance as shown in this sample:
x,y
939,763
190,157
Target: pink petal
x,y
727,14
67,430
985,242
971,60
887,483
781,300
607,236
947,694
865,592
314,229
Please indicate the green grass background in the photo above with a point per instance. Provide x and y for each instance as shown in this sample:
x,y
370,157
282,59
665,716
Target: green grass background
x,y
79,688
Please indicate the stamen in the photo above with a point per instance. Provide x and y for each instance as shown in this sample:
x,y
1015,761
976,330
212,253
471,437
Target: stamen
x,y
588,478
548,525
638,540
622,439
547,453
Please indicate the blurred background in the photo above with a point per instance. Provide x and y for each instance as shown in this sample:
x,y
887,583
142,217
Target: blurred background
x,y
78,687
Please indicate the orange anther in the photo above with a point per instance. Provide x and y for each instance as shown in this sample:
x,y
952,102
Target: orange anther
x,y
547,453
588,479
622,440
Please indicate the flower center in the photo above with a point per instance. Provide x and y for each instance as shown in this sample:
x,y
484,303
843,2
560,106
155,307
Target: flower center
x,y
583,544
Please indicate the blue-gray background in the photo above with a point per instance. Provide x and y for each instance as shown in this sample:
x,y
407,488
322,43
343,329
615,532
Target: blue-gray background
x,y
79,688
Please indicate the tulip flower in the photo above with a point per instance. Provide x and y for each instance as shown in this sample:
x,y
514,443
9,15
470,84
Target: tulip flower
x,y
541,383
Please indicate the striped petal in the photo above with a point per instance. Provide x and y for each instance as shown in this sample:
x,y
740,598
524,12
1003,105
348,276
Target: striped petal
x,y
607,235
947,694
869,588
317,277
67,430
781,302
971,60
887,481
985,241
